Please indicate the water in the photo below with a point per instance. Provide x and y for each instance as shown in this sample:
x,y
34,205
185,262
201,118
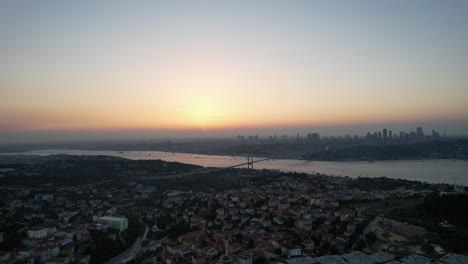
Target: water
x,y
432,171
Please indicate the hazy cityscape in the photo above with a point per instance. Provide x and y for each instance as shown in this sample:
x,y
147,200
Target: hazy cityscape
x,y
233,132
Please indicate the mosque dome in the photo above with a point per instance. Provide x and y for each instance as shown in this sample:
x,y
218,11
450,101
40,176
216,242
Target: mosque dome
x,y
226,259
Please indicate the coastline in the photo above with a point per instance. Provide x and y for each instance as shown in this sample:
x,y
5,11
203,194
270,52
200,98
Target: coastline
x,y
433,171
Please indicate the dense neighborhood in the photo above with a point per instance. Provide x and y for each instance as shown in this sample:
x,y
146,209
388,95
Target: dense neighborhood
x,y
264,217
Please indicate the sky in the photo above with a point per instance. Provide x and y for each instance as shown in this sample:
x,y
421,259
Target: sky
x,y
187,68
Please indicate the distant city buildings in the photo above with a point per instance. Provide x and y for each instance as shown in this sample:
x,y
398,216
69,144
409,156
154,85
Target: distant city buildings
x,y
388,135
313,136
419,132
385,135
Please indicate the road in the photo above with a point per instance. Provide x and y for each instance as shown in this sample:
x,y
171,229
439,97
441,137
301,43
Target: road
x,y
129,253
369,228
372,224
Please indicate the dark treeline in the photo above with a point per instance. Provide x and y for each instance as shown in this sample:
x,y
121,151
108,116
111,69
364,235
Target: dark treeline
x,y
383,183
447,207
69,169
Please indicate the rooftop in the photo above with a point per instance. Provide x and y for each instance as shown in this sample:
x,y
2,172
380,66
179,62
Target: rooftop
x,y
112,218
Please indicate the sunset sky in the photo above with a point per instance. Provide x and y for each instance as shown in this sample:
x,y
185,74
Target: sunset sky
x,y
228,65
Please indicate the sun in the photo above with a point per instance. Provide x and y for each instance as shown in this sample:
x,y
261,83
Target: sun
x,y
203,113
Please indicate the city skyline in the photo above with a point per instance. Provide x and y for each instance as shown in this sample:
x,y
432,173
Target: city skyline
x,y
362,132
86,70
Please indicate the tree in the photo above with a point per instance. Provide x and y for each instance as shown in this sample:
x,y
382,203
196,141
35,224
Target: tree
x,y
360,244
428,248
370,238
179,229
251,243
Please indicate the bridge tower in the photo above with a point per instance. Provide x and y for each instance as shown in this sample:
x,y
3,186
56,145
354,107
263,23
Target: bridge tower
x,y
250,162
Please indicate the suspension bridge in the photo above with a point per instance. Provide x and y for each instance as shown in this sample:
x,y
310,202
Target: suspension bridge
x,y
250,165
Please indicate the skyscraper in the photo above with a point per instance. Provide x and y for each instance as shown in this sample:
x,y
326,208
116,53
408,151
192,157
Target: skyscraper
x,y
384,134
419,132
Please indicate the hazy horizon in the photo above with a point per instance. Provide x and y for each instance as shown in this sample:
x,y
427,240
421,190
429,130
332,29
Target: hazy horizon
x,y
456,128
159,69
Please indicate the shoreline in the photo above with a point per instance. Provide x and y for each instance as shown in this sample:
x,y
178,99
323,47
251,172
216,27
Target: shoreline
x,y
432,171
31,153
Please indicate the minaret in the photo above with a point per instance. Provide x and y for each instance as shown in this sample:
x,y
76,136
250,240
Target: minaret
x,y
226,259
226,247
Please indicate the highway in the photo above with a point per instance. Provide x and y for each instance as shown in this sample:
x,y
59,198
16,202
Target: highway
x,y
369,228
129,253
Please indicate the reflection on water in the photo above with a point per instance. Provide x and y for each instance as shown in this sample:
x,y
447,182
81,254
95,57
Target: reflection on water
x,y
433,171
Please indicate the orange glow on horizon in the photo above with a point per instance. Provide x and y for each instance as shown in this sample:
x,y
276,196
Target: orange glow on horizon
x,y
197,116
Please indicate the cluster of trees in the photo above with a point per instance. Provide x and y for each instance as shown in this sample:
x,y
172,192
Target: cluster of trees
x,y
371,238
382,183
432,212
447,207
179,229
104,247
72,170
